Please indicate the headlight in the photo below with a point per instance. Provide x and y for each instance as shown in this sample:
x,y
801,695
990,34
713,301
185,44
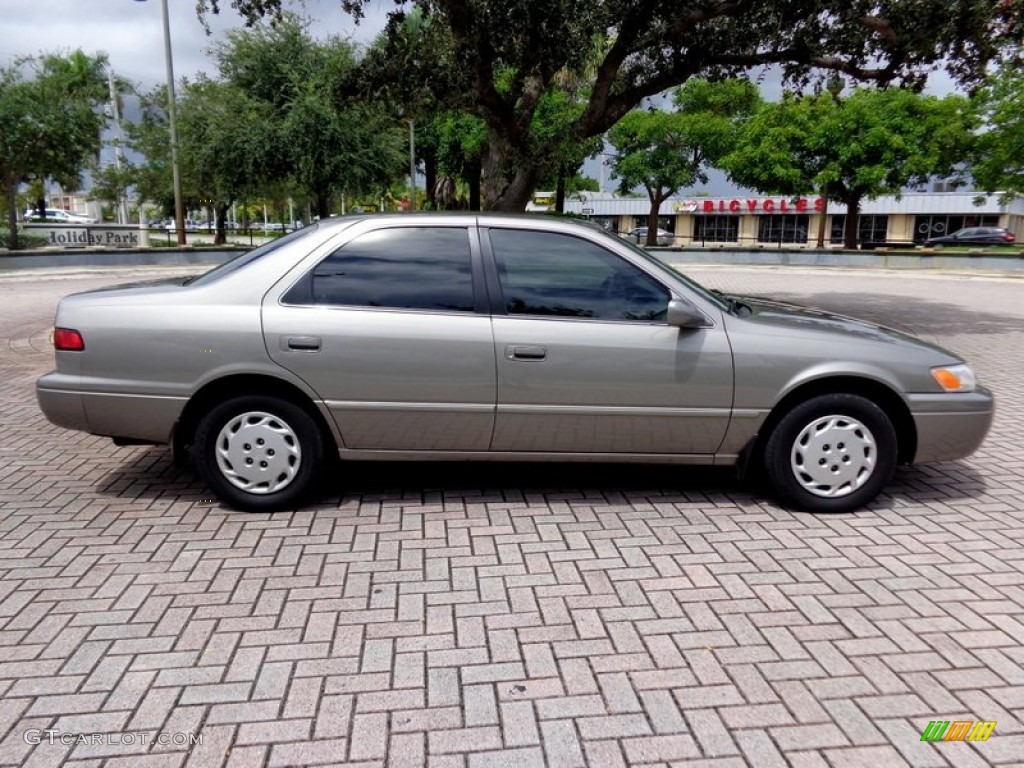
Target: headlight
x,y
954,378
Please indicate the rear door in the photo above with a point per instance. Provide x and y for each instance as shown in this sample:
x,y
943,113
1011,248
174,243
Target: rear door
x,y
391,330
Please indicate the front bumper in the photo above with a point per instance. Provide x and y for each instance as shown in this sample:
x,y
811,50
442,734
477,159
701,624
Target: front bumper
x,y
951,426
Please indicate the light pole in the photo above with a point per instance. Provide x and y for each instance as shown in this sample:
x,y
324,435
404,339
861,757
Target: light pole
x,y
412,164
179,204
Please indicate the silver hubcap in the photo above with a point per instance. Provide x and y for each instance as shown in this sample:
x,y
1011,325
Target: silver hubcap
x,y
258,452
834,456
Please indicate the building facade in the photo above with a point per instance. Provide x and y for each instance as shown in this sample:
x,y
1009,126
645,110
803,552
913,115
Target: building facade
x,y
762,221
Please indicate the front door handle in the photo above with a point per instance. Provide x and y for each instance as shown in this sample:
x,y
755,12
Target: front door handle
x,y
533,353
302,343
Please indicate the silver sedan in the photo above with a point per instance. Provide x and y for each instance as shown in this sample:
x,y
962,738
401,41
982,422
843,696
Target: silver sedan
x,y
481,337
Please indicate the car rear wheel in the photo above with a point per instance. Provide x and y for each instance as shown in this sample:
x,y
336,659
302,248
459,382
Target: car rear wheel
x,y
258,453
832,453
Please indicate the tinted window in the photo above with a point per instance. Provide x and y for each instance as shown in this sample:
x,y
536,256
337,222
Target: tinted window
x,y
400,268
544,273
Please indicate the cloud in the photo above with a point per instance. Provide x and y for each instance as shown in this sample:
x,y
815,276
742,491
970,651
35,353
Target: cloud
x,y
131,32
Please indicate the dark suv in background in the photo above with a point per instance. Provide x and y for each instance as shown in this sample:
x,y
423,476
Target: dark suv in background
x,y
975,236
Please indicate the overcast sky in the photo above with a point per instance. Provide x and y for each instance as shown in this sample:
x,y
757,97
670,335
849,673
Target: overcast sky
x,y
130,32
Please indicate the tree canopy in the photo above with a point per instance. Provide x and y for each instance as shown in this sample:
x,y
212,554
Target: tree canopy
x,y
874,142
645,47
998,162
49,127
272,119
664,151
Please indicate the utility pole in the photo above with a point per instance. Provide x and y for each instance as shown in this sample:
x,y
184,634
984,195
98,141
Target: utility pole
x,y
412,163
122,204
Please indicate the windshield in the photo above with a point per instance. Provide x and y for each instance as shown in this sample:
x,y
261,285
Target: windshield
x,y
696,287
248,258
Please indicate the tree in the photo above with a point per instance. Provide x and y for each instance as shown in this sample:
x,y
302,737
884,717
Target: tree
x,y
872,143
49,127
329,142
653,45
998,160
110,184
223,140
664,151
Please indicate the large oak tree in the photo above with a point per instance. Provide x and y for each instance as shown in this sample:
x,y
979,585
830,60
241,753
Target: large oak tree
x,y
648,46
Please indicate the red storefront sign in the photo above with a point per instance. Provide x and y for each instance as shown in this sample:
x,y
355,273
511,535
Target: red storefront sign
x,y
763,205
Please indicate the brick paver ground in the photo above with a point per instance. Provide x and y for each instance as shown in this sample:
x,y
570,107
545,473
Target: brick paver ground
x,y
463,616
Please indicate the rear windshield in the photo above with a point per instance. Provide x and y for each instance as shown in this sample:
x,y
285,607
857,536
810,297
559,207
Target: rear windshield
x,y
221,270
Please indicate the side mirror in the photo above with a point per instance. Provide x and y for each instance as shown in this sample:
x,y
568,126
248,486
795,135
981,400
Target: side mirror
x,y
682,314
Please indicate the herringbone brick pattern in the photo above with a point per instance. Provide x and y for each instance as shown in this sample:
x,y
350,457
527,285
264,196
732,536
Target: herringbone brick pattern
x,y
470,617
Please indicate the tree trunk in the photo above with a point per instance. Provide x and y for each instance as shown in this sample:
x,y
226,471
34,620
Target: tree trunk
x,y
430,173
652,219
11,188
473,180
852,222
560,191
823,221
221,235
41,207
323,204
506,188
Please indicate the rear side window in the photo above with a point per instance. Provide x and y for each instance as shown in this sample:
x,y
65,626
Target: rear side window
x,y
426,268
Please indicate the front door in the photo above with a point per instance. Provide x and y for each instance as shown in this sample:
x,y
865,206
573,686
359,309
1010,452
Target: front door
x,y
387,331
586,361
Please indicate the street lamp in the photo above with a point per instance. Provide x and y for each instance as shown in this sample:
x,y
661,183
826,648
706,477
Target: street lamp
x,y
179,204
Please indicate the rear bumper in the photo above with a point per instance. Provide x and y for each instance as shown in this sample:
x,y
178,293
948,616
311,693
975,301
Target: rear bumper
x,y
60,405
951,426
147,418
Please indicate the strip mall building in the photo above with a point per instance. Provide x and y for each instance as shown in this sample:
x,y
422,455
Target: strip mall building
x,y
794,222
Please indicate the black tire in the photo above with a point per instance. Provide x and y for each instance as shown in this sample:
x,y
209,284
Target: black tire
x,y
864,462
297,452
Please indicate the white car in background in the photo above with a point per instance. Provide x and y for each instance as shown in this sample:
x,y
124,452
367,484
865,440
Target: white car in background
x,y
58,216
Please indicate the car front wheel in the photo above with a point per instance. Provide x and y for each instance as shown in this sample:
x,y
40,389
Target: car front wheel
x,y
258,453
832,453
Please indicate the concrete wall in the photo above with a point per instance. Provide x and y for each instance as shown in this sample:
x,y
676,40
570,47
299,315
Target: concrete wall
x,y
828,258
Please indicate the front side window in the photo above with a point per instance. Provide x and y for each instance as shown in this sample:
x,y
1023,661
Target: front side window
x,y
424,268
556,275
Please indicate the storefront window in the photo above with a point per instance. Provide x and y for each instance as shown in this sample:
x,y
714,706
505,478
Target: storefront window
x,y
716,229
937,226
783,228
871,228
607,223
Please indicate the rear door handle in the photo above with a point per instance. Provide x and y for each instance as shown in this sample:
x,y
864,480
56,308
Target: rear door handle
x,y
302,343
533,353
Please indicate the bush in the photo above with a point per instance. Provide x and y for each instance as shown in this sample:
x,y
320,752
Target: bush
x,y
25,242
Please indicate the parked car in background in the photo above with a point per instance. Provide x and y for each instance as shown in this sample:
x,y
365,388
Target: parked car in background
x,y
58,216
639,236
496,337
975,236
191,225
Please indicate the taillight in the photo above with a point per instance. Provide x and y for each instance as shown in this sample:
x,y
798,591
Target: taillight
x,y
1009,237
68,340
